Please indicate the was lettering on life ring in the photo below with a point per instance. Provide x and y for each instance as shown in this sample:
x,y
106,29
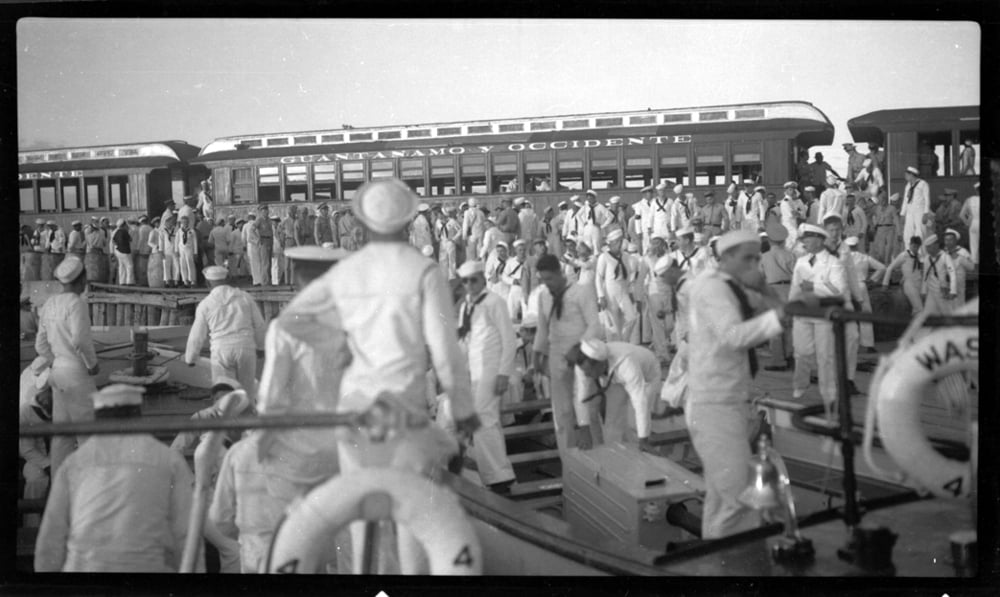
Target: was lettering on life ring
x,y
431,512
911,375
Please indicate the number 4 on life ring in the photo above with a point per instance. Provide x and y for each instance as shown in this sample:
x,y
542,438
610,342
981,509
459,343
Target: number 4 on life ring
x,y
464,557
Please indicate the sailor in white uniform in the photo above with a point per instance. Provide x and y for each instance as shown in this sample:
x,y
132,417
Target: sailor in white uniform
x,y
615,275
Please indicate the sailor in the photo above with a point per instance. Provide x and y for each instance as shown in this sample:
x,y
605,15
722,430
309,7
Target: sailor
x,y
262,229
916,203
219,238
552,225
421,234
449,249
155,265
205,205
487,337
819,273
614,277
674,392
594,220
862,264
643,216
571,224
237,259
853,300
122,242
912,266
658,303
970,217
528,222
793,211
869,179
39,235
350,232
65,342
141,249
230,318
855,221
473,228
76,244
496,264
57,238
855,161
507,221
733,213
120,503
680,213
961,262
629,379
721,365
659,212
777,265
689,256
940,281
278,262
322,231
96,250
715,216
35,408
812,205
187,247
885,222
516,277
584,265
168,247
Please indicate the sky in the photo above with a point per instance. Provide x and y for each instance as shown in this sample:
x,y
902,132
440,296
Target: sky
x,y
105,81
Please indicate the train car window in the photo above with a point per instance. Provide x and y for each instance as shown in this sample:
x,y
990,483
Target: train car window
x,y
382,169
70,194
94,190
968,153
505,178
296,183
353,175
747,162
569,170
47,195
412,173
443,176
268,184
934,154
674,164
473,174
243,185
27,197
537,171
604,168
325,182
638,167
710,166
118,192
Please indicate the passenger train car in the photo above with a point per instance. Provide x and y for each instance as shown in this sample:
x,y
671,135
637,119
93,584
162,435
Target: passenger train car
x,y
546,159
110,180
931,139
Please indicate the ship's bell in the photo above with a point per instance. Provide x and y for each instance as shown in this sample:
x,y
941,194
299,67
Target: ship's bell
x,y
764,489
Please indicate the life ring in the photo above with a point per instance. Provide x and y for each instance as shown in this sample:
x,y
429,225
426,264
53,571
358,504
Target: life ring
x,y
430,512
909,376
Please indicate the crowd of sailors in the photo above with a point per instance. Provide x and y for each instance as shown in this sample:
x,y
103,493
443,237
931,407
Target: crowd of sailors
x,y
619,314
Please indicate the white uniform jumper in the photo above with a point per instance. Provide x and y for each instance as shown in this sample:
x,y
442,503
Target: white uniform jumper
x,y
614,280
813,338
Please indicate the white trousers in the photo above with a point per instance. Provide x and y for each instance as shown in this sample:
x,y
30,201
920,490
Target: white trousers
x,y
564,383
253,255
278,268
185,258
516,303
720,434
911,290
659,328
623,311
813,342
237,362
71,403
126,274
674,391
867,329
170,267
592,236
912,226
974,241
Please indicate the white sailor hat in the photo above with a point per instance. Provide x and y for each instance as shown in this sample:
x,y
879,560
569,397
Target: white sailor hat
x,y
686,230
747,181
275,217
647,189
731,188
894,197
314,253
119,394
520,200
562,204
50,222
574,198
660,235
423,207
385,206
760,187
808,229
662,185
470,268
615,235
215,272
851,241
39,221
594,349
678,189
519,243
952,231
41,370
241,399
930,240
615,199
662,264
763,234
76,223
912,170
120,222
427,251
69,269
734,238
228,381
502,243
831,215
810,189
591,192
791,184
699,237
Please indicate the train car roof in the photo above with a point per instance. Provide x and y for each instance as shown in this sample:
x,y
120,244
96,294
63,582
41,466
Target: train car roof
x,y
871,126
674,121
144,154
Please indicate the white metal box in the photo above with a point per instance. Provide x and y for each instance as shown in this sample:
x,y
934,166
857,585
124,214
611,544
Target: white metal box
x,y
616,491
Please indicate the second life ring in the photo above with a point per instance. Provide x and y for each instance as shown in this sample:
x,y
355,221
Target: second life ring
x,y
431,512
910,375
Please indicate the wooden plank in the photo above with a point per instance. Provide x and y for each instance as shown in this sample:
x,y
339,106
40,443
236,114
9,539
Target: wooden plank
x,y
152,316
120,314
535,488
164,316
669,437
129,312
538,456
543,502
530,430
174,317
101,310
